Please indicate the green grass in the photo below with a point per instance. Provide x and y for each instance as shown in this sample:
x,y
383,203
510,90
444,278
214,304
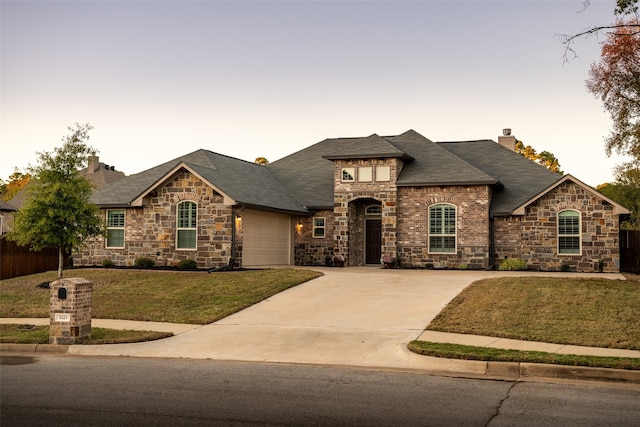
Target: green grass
x,y
588,312
455,351
159,296
577,311
31,334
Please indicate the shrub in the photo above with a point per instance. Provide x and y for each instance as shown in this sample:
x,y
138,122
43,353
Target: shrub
x,y
328,260
187,264
108,263
513,264
565,267
144,262
463,266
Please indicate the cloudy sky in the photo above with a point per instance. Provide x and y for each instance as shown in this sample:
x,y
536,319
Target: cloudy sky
x,y
159,79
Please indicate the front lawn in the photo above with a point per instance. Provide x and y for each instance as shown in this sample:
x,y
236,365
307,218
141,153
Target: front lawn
x,y
588,312
158,296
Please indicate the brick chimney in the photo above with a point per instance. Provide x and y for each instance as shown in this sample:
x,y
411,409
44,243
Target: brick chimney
x,y
94,164
507,140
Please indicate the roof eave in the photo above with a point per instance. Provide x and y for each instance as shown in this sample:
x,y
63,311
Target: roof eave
x,y
402,156
446,183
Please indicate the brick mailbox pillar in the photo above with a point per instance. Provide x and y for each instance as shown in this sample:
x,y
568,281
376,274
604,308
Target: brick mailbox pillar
x,y
70,311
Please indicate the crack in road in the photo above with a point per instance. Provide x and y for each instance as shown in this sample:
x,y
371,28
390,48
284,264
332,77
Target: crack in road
x,y
500,404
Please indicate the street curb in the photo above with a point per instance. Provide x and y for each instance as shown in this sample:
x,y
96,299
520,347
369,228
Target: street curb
x,y
511,371
579,373
34,348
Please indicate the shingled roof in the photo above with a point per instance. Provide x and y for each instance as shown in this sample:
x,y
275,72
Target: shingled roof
x,y
521,178
304,180
244,182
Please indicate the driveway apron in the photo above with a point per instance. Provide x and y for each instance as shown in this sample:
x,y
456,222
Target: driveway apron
x,y
357,316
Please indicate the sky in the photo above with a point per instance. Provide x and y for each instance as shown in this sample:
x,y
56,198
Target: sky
x,y
160,79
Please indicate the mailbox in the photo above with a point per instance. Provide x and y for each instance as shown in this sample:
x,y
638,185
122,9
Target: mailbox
x,y
62,293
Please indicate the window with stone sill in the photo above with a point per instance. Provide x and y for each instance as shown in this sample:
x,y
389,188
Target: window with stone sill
x,y
348,174
319,228
383,173
115,228
187,226
569,232
365,174
442,228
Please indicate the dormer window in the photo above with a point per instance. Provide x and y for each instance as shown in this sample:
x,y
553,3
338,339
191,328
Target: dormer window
x,y
348,174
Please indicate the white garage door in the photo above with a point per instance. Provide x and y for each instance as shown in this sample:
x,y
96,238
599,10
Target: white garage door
x,y
267,238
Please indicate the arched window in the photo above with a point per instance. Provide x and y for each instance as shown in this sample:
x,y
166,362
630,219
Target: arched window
x,y
187,214
442,228
373,210
569,232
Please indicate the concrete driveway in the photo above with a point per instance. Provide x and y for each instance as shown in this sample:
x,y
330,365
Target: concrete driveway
x,y
356,316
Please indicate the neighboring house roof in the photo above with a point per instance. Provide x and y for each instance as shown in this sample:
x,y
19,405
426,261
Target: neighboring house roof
x,y
617,208
244,182
6,206
98,173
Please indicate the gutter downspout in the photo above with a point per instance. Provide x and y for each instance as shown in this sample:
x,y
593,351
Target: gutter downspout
x,y
492,244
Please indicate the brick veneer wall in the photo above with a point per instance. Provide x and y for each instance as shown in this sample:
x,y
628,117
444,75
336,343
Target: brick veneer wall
x,y
77,306
533,237
150,231
472,226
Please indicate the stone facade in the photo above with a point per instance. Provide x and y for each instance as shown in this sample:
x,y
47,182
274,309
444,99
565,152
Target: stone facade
x,y
349,197
151,230
372,217
534,236
309,250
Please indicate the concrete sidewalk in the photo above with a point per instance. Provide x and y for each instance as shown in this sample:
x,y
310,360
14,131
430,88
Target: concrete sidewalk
x,y
432,336
175,328
356,316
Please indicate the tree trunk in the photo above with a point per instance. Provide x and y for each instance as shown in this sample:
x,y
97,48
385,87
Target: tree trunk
x,y
60,263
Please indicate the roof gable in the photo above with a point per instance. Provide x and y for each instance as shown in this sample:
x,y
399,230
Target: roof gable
x,y
237,180
370,147
617,208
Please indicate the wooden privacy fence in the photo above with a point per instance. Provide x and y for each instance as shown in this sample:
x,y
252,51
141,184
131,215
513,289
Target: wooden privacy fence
x,y
630,251
18,261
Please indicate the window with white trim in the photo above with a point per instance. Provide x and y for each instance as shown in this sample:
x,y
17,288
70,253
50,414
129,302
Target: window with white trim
x,y
365,174
115,228
383,173
348,174
187,229
442,228
319,228
569,232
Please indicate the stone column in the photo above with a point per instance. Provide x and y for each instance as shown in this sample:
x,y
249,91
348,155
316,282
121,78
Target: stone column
x,y
70,311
